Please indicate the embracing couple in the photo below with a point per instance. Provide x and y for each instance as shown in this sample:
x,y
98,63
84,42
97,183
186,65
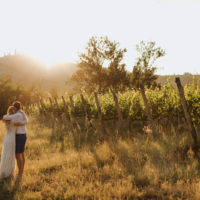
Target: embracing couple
x,y
14,141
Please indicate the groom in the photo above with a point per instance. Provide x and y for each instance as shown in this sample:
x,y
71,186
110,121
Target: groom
x,y
20,136
20,120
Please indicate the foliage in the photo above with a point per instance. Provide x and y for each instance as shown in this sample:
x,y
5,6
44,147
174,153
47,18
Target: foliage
x,y
9,92
164,103
143,73
100,67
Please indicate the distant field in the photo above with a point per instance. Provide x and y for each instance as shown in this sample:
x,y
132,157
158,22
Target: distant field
x,y
186,79
63,162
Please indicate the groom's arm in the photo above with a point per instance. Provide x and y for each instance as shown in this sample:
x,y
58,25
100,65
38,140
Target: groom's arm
x,y
20,122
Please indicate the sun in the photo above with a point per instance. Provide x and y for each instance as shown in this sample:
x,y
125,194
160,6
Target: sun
x,y
47,63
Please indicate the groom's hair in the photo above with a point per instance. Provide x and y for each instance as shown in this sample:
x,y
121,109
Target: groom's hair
x,y
17,105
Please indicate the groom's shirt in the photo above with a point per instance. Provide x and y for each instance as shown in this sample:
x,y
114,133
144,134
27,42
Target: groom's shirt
x,y
18,117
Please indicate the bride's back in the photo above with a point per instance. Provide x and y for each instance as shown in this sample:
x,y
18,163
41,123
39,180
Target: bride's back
x,y
10,128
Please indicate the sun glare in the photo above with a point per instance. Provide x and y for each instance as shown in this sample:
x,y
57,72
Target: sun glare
x,y
48,65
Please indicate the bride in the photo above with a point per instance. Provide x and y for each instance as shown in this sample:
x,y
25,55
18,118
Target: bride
x,y
7,166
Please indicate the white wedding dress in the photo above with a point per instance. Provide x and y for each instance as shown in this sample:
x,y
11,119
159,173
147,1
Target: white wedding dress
x,y
7,166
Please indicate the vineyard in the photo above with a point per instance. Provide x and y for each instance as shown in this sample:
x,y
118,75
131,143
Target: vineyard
x,y
66,158
165,104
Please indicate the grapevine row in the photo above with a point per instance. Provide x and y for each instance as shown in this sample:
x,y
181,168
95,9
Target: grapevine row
x,y
164,103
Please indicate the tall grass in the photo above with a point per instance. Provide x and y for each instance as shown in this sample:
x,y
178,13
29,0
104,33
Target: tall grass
x,y
64,161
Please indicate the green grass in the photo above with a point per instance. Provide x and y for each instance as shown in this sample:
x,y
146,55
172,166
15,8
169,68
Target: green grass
x,y
64,162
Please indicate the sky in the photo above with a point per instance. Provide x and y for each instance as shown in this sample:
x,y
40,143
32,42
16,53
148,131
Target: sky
x,y
54,31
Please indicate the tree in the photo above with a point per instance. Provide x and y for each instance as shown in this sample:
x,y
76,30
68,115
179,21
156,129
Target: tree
x,y
100,66
143,74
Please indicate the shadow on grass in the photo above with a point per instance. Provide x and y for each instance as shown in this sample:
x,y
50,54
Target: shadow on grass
x,y
78,132
9,187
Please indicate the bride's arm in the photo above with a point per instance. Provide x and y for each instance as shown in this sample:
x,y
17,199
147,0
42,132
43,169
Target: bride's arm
x,y
8,117
16,118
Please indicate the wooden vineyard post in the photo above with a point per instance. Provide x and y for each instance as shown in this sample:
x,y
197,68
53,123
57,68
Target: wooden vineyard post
x,y
99,112
56,102
87,118
98,107
39,108
120,118
187,114
150,118
42,106
38,105
66,109
50,100
149,115
73,113
52,114
72,104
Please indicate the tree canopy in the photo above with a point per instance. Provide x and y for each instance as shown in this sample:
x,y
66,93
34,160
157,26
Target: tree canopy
x,y
100,67
143,73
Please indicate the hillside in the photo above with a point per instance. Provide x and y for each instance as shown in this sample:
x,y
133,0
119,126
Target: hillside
x,y
186,79
28,71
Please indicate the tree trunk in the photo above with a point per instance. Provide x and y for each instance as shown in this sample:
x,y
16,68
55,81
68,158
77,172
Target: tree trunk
x,y
187,114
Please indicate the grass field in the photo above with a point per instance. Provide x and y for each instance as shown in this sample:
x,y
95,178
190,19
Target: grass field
x,y
67,163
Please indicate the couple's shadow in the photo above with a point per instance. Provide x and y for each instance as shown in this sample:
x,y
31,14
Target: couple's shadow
x,y
9,187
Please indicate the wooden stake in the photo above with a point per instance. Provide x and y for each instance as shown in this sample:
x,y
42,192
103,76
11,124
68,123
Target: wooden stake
x,y
187,114
72,104
50,100
98,106
56,103
99,113
120,118
66,109
43,106
149,115
85,106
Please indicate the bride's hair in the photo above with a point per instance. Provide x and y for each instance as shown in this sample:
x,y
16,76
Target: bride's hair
x,y
11,110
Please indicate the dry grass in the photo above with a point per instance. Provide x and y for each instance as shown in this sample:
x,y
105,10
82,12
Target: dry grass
x,y
63,164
